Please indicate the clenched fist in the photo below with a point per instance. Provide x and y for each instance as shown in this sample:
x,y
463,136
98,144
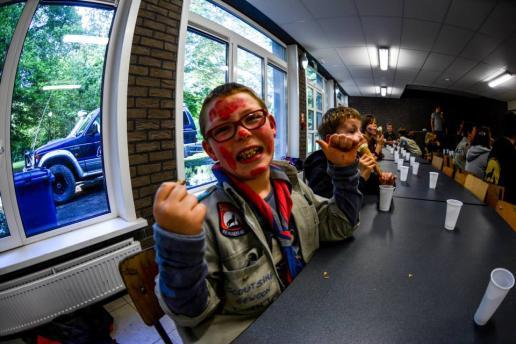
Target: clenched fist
x,y
178,211
341,149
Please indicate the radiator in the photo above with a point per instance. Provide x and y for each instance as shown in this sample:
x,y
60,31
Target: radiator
x,y
38,298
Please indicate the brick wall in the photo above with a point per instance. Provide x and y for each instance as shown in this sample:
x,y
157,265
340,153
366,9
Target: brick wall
x,y
151,103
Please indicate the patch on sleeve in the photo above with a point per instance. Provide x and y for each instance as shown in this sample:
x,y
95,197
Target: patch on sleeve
x,y
231,225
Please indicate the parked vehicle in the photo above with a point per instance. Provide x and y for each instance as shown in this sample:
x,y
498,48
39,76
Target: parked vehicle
x,y
74,159
191,146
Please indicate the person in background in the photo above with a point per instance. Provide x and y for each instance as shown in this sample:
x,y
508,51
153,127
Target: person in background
x,y
432,144
390,135
224,259
437,123
374,139
501,165
408,143
342,120
459,155
476,157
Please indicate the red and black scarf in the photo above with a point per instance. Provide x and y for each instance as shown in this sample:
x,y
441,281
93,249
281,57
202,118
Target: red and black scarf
x,y
262,209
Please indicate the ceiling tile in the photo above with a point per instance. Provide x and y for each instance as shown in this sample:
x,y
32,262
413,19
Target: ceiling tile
x,y
437,62
433,10
342,32
427,77
477,11
308,34
501,22
330,8
350,88
354,56
340,73
458,68
383,77
411,59
476,75
382,31
503,56
452,40
405,76
388,8
362,74
418,34
480,46
328,57
282,12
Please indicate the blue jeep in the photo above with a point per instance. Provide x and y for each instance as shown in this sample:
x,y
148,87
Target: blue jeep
x,y
75,158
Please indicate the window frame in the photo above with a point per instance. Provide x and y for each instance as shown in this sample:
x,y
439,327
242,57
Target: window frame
x,y
234,41
316,88
122,216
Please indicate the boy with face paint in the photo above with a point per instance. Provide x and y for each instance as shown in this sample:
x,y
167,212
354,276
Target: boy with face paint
x,y
342,120
222,261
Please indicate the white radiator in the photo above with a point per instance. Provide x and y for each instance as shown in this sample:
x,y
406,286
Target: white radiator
x,y
38,298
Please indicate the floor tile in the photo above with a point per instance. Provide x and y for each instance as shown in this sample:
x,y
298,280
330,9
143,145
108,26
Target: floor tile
x,y
115,304
129,327
128,299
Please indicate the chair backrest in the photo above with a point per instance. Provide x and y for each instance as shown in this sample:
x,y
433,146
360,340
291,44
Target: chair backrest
x,y
477,186
446,160
494,194
138,273
508,212
448,171
460,177
437,162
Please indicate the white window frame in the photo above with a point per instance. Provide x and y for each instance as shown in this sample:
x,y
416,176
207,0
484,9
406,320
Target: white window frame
x,y
122,218
316,89
234,41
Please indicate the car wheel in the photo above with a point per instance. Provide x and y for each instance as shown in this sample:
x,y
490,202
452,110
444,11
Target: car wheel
x,y
63,186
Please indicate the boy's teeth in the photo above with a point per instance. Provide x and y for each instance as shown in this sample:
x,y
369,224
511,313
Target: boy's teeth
x,y
248,153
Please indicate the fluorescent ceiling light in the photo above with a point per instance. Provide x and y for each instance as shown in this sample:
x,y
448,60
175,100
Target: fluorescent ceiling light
x,y
383,54
383,91
393,58
389,90
500,80
377,89
83,39
60,87
494,75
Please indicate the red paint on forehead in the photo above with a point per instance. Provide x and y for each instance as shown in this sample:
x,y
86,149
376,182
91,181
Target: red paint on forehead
x,y
223,108
228,158
257,171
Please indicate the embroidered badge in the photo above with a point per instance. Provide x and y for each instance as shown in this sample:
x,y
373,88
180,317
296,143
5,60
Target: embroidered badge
x,y
231,224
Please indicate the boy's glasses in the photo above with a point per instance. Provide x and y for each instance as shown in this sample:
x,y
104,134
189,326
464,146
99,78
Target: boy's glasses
x,y
226,131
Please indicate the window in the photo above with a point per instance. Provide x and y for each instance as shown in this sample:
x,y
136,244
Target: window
x,y
221,47
315,107
53,177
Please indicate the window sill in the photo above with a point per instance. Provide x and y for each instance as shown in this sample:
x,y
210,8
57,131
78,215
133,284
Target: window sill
x,y
40,251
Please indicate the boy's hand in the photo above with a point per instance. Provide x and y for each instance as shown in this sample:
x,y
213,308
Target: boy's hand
x,y
386,178
366,165
178,211
341,149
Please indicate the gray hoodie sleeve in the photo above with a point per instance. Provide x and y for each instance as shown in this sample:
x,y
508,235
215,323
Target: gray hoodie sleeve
x,y
345,190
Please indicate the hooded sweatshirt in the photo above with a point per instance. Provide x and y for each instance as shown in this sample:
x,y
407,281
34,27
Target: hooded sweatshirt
x,y
476,160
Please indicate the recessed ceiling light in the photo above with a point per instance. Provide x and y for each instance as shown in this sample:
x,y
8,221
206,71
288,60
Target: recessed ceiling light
x,y
500,80
383,91
447,79
383,54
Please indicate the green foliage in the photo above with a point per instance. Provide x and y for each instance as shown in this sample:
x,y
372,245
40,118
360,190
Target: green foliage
x,y
39,116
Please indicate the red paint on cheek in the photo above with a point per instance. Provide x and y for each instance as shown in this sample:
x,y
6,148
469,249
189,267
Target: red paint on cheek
x,y
228,158
258,171
242,133
224,108
270,145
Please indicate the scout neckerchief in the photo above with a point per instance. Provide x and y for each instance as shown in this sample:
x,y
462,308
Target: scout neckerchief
x,y
279,230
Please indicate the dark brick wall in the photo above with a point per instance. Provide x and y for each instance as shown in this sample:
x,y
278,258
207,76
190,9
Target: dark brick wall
x,y
414,109
151,103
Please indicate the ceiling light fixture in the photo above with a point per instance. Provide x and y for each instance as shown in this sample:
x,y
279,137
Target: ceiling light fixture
x,y
383,91
304,60
500,79
383,54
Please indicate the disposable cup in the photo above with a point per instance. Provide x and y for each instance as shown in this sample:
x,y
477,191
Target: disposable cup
x,y
412,160
501,281
433,179
404,173
415,168
407,156
386,192
396,156
453,207
400,163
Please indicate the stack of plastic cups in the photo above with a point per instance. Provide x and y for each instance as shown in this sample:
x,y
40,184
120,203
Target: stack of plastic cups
x,y
404,173
386,192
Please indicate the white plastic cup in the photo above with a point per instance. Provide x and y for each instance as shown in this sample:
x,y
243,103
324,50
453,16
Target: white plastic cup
x,y
501,281
407,156
400,163
386,192
412,160
404,173
433,179
453,207
396,156
415,168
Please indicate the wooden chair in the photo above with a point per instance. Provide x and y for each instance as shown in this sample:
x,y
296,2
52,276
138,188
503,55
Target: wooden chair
x,y
437,162
448,171
508,212
494,194
138,272
460,177
477,186
446,161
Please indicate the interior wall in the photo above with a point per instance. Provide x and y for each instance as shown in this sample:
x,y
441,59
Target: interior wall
x,y
413,110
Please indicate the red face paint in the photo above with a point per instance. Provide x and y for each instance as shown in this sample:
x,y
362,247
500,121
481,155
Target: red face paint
x,y
270,145
228,158
224,108
242,133
257,171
